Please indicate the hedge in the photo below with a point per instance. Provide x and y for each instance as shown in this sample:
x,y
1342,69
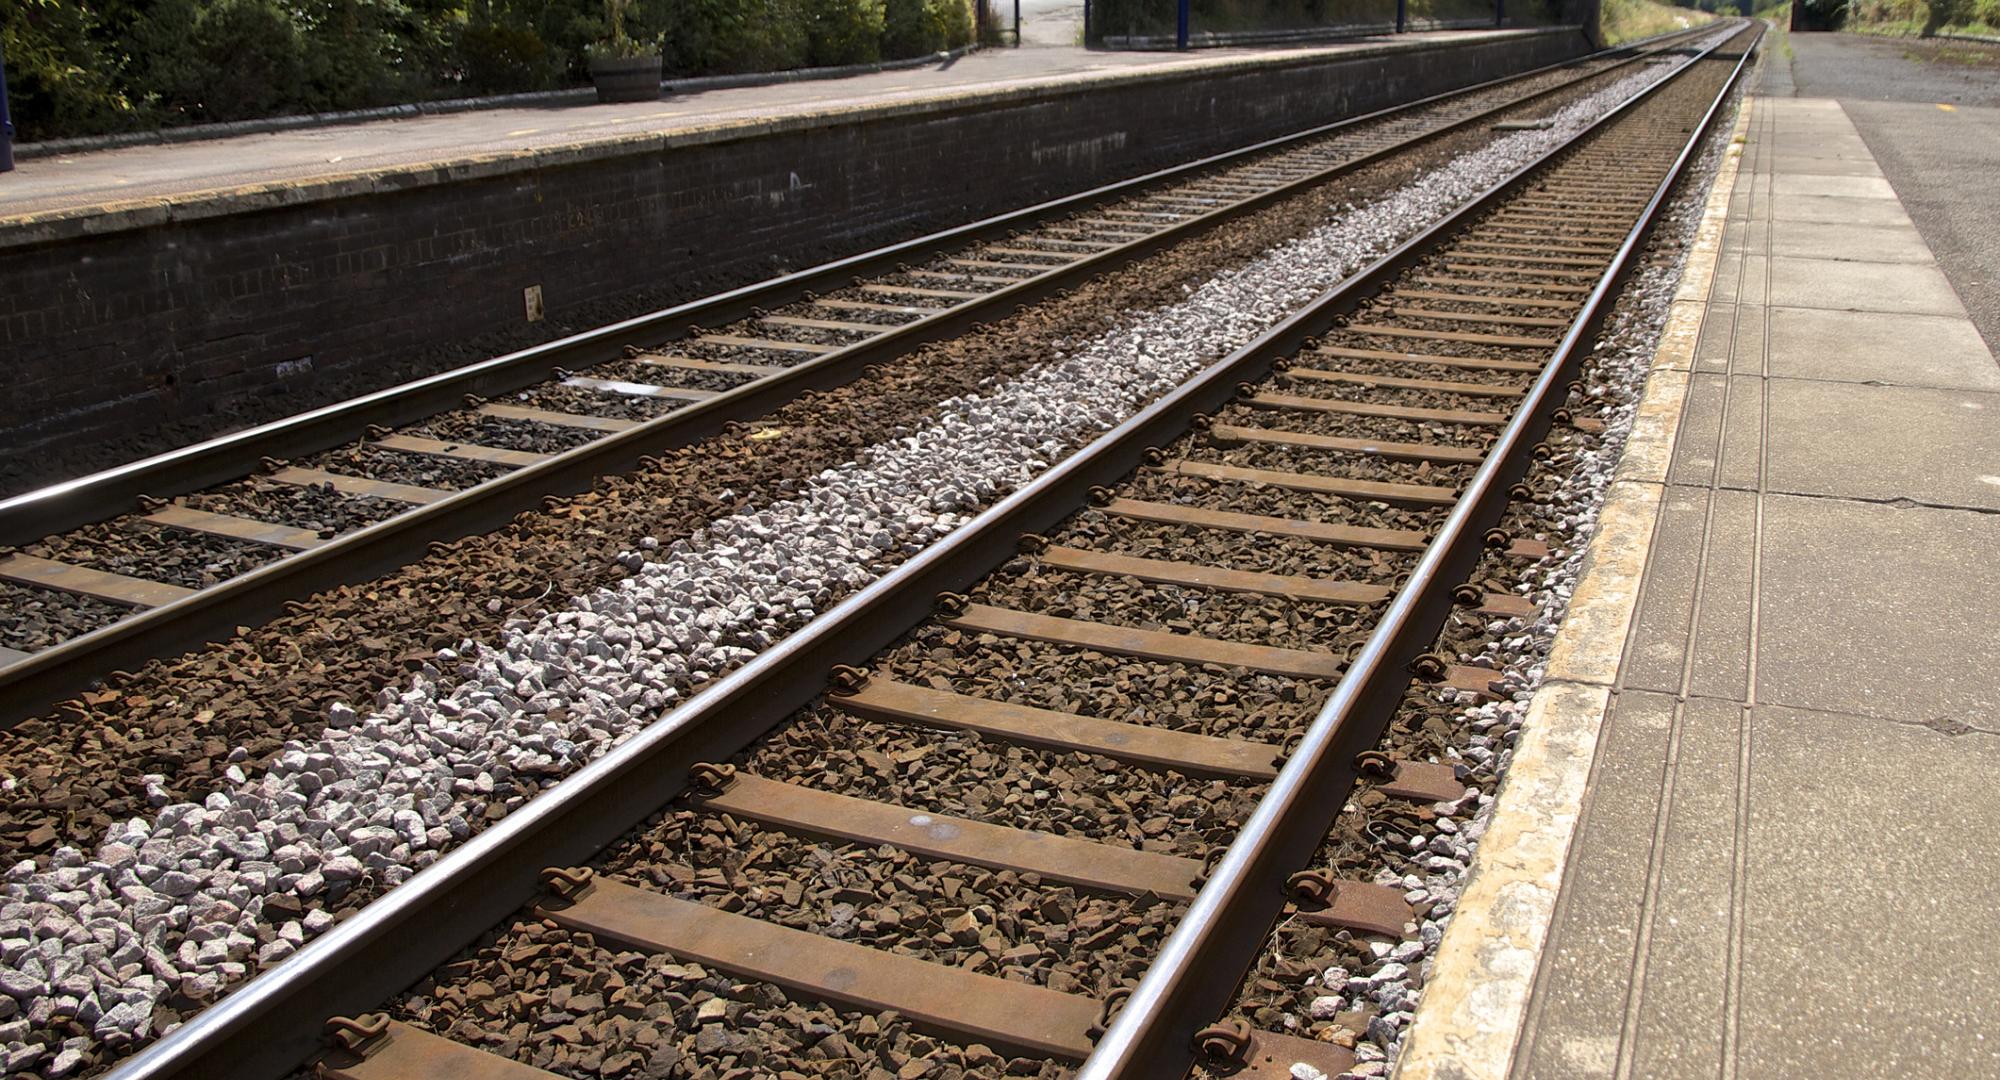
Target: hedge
x,y
120,65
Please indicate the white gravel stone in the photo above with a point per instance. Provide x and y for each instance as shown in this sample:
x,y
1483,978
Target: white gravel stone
x,y
385,790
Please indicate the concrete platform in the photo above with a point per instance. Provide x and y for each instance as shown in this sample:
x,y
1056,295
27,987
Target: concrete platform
x,y
1751,829
386,154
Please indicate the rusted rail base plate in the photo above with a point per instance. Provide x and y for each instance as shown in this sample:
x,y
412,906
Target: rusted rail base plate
x,y
1272,1056
408,1053
965,1004
1472,678
1424,781
1528,549
1363,906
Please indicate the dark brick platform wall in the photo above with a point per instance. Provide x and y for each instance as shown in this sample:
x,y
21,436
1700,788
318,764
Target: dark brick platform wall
x,y
108,334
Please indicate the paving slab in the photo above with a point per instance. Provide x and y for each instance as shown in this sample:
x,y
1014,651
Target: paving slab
x,y
1732,339
1879,610
1868,921
1846,187
1929,111
1908,350
1841,210
1681,993
1943,166
1576,1017
1656,655
1846,242
1853,163
1830,283
1937,447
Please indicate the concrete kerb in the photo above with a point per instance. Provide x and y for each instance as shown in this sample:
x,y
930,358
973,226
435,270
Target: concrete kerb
x,y
48,226
1469,1018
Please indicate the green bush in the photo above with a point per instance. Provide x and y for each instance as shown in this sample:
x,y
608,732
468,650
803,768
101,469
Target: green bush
x,y
78,67
196,61
253,63
843,31
60,80
495,59
719,37
955,16
916,27
908,29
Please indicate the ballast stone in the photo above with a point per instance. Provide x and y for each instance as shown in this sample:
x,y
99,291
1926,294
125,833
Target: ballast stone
x,y
695,611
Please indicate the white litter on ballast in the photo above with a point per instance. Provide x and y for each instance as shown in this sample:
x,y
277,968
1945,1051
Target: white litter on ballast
x,y
179,903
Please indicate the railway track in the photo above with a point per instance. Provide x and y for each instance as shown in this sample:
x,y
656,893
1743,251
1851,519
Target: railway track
x,y
226,532
1033,801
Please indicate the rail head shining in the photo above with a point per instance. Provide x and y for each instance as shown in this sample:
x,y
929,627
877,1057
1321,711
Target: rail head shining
x,y
1186,986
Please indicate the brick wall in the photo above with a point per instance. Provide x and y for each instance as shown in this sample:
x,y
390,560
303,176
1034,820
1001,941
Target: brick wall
x,y
107,334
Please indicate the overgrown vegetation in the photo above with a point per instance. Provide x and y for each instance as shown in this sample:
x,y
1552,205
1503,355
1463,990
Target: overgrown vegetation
x,y
1924,16
77,68
1620,21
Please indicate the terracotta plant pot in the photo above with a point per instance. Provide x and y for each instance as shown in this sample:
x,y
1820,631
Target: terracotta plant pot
x,y
629,78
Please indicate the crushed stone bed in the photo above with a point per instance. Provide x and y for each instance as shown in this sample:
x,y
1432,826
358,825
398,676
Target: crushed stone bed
x,y
187,903
1364,992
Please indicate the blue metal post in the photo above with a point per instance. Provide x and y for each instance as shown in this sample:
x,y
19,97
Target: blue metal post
x,y
6,123
1181,32
1499,12
1402,15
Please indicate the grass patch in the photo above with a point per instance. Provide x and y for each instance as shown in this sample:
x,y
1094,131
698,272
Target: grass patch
x,y
1914,18
1629,20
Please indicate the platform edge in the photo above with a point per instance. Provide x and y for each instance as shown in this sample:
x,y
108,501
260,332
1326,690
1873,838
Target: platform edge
x,y
56,225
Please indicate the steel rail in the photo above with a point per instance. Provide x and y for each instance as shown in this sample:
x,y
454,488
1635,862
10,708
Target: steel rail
x,y
32,515
275,1021
1195,976
31,686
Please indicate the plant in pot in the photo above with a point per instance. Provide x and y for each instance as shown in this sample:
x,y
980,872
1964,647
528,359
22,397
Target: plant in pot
x,y
624,68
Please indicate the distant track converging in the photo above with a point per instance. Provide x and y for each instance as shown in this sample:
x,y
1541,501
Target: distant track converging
x,y
1257,564
228,531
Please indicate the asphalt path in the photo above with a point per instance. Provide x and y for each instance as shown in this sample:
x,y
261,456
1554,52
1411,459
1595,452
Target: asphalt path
x,y
1930,112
